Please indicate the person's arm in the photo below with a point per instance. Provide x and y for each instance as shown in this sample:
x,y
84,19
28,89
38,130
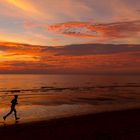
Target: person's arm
x,y
12,101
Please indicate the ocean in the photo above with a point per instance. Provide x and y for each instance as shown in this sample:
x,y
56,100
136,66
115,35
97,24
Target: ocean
x,y
43,97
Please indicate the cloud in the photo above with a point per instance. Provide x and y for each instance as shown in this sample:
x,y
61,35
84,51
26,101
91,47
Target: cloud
x,y
18,52
92,49
25,8
95,30
45,10
37,51
83,58
23,20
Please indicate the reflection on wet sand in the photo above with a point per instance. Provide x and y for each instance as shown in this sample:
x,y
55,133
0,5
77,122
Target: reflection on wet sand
x,y
48,97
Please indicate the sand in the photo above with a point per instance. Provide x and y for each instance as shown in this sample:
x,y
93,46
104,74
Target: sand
x,y
115,125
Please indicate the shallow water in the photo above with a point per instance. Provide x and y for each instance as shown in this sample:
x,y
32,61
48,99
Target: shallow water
x,y
52,96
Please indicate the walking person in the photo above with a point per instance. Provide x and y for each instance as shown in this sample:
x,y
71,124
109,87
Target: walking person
x,y
13,108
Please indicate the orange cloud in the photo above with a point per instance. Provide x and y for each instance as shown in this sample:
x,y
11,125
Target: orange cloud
x,y
87,29
25,6
18,52
84,58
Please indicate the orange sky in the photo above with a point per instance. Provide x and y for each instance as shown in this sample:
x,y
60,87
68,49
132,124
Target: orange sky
x,y
86,58
41,36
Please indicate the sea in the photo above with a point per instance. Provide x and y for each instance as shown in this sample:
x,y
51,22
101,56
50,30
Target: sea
x,y
45,97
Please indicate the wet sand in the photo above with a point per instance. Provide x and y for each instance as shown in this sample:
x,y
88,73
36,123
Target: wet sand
x,y
115,125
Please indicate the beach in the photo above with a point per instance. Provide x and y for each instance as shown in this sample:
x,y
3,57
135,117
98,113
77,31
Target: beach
x,y
68,107
114,125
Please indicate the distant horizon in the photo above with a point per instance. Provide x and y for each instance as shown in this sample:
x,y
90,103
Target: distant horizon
x,y
125,74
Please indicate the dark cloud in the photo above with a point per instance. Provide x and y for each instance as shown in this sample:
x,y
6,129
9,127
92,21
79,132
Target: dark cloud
x,y
92,49
3,48
69,50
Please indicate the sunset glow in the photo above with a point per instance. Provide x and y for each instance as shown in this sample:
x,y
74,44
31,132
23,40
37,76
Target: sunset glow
x,y
69,36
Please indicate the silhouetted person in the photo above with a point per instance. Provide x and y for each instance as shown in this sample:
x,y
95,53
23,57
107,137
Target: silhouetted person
x,y
13,109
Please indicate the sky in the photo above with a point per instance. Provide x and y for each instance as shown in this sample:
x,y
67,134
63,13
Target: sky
x,y
70,36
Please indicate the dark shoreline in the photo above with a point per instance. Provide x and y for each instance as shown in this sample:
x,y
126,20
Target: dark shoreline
x,y
115,125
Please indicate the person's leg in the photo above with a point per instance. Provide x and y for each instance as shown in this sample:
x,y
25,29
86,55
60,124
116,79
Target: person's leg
x,y
15,112
8,114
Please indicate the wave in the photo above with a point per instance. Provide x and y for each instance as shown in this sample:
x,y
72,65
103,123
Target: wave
x,y
60,89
